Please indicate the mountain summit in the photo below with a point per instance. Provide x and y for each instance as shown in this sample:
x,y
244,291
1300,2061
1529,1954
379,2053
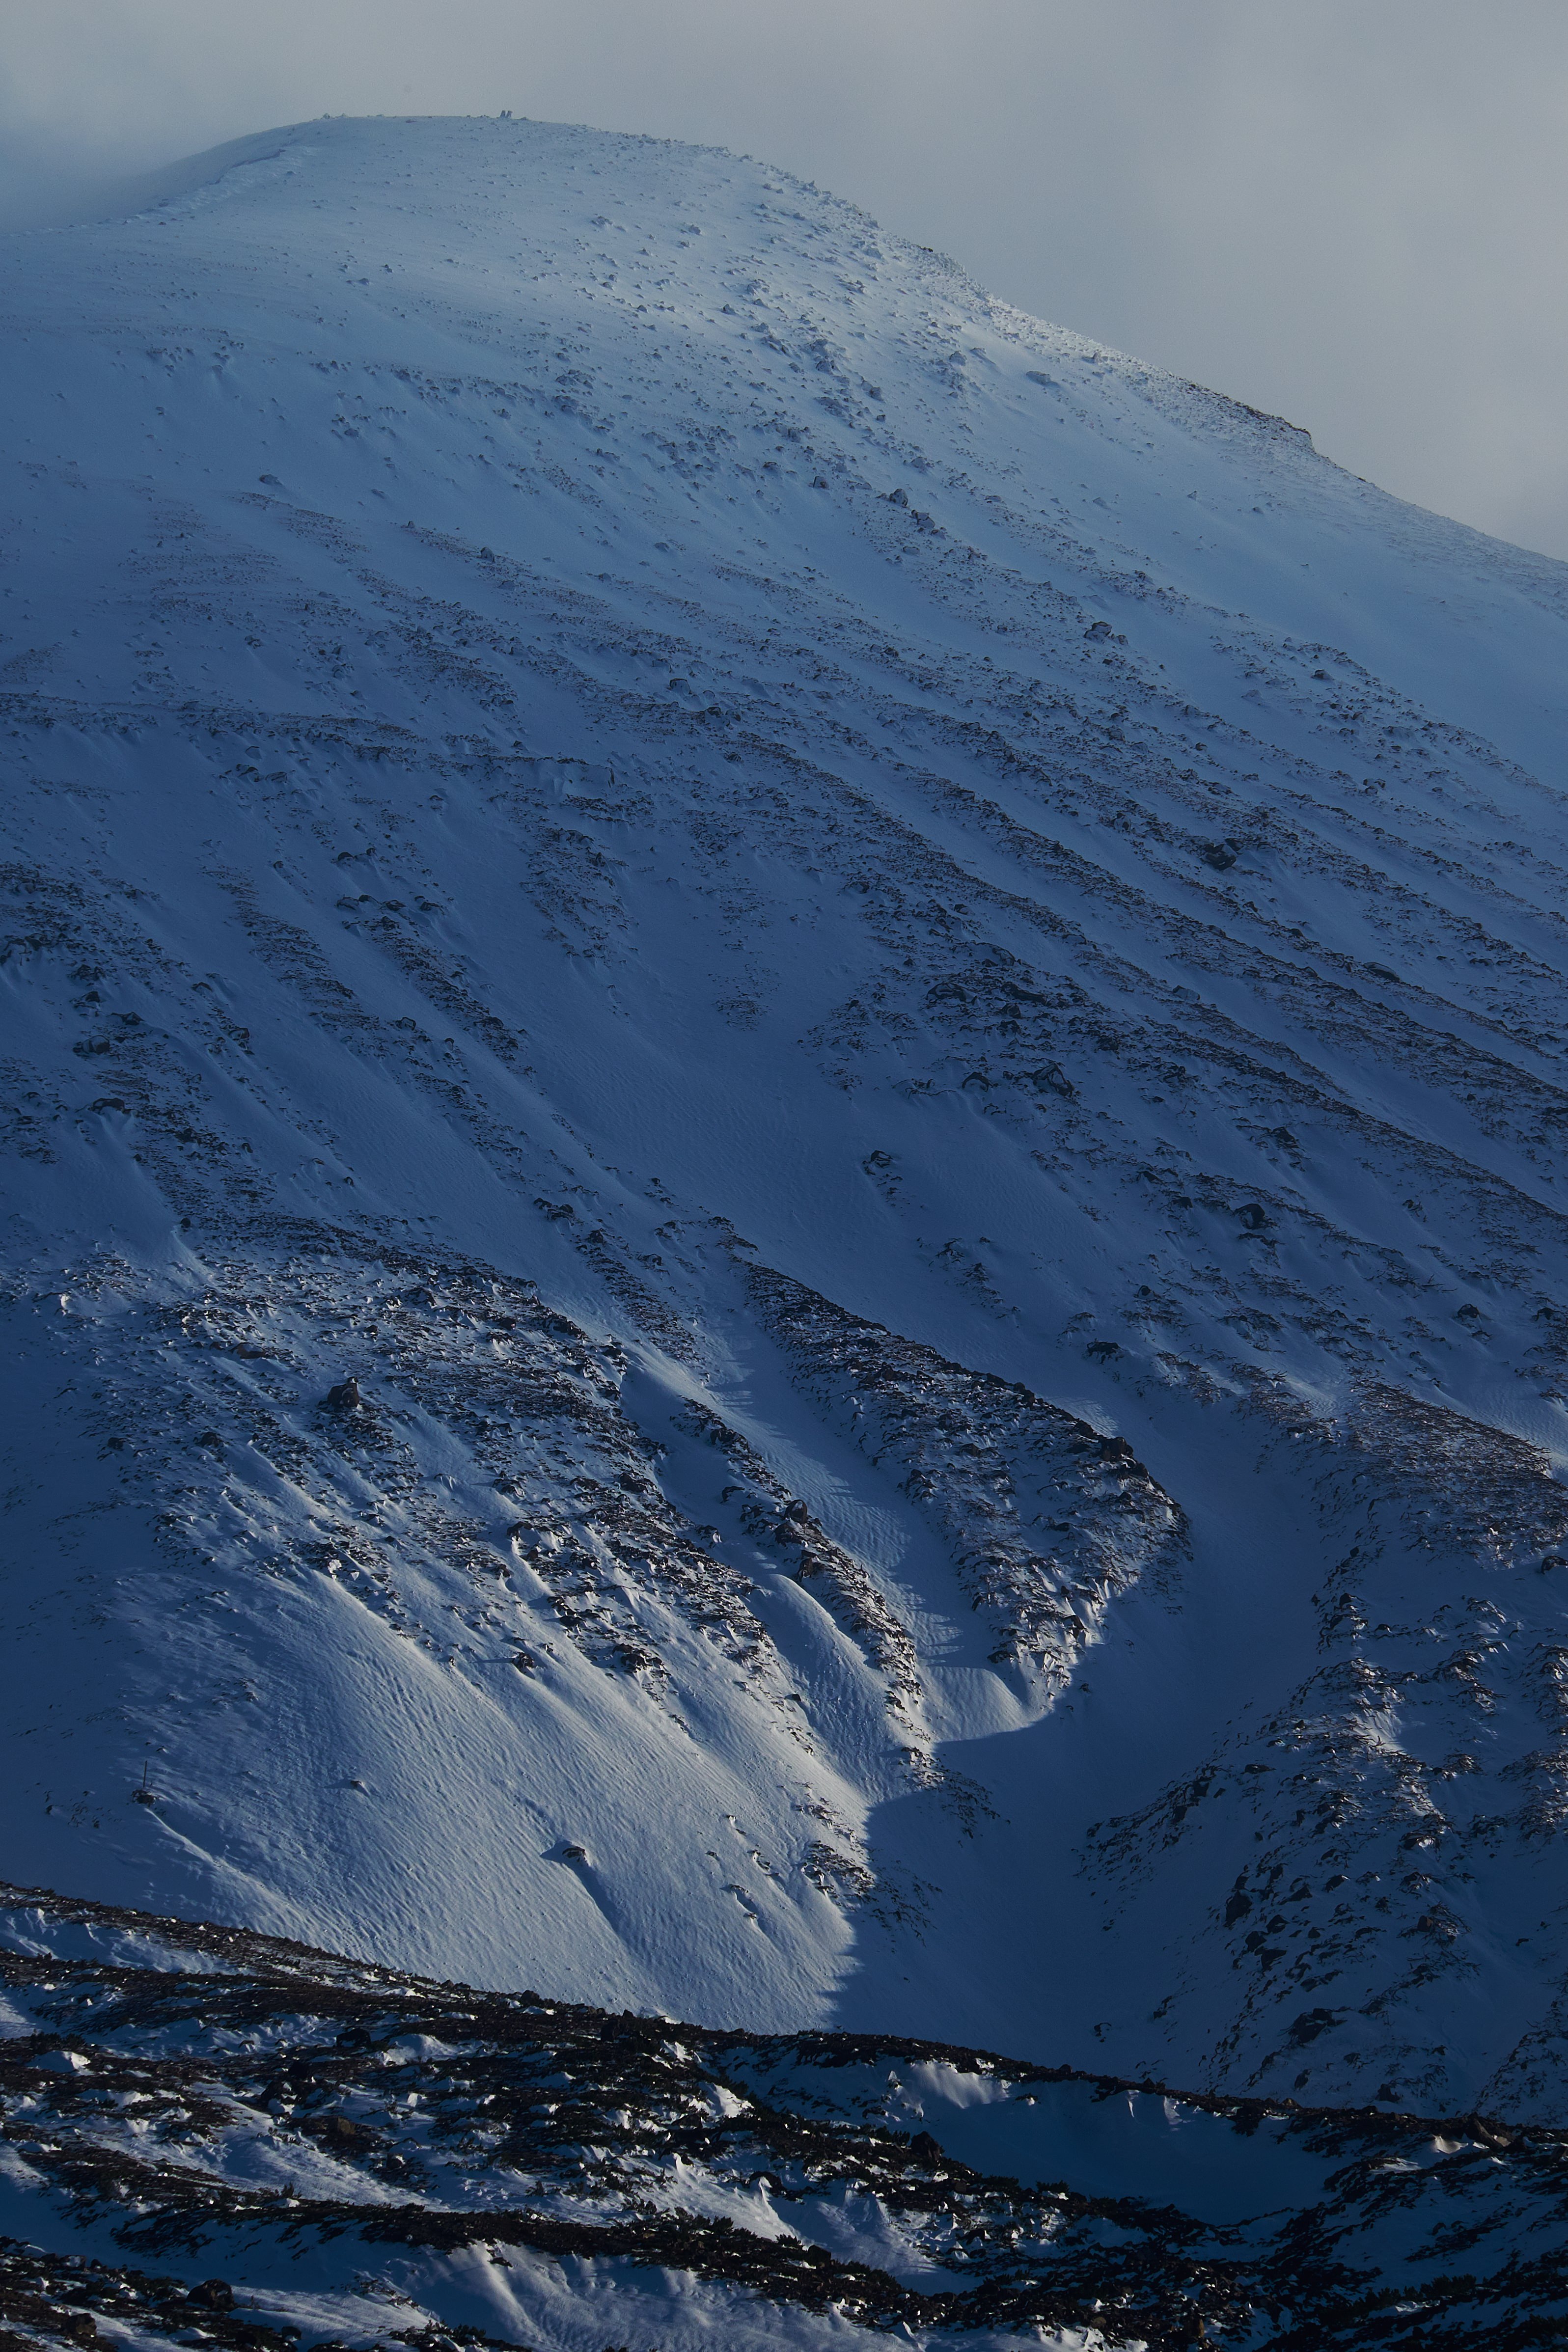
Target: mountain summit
x,y
784,1066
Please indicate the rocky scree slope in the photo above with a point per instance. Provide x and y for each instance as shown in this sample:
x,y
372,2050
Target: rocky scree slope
x,y
784,1065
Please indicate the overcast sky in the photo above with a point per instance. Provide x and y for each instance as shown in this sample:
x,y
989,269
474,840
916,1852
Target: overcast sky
x,y
1352,211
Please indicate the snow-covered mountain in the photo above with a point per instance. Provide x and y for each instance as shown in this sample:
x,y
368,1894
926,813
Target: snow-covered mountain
x,y
782,1064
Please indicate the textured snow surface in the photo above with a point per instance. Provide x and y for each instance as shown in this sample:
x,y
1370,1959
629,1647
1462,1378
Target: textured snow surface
x,y
783,1073
221,2140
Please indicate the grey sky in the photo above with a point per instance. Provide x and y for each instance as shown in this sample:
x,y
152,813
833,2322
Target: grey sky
x,y
1349,211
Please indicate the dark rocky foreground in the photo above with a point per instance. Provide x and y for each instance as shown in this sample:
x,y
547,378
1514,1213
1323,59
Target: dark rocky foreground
x,y
215,2138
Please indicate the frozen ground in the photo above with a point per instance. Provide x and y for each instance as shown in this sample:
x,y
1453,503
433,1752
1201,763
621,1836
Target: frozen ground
x,y
227,2142
783,1066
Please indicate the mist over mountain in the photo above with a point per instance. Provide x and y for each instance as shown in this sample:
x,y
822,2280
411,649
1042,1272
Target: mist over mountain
x,y
782,1091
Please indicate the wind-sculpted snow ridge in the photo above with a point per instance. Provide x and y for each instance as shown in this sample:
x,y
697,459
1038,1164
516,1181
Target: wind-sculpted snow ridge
x,y
1001,1472
435,1478
776,1518
213,2137
782,1081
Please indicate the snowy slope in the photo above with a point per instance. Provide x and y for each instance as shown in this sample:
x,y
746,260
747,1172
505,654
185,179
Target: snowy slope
x,y
368,2160
781,1072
